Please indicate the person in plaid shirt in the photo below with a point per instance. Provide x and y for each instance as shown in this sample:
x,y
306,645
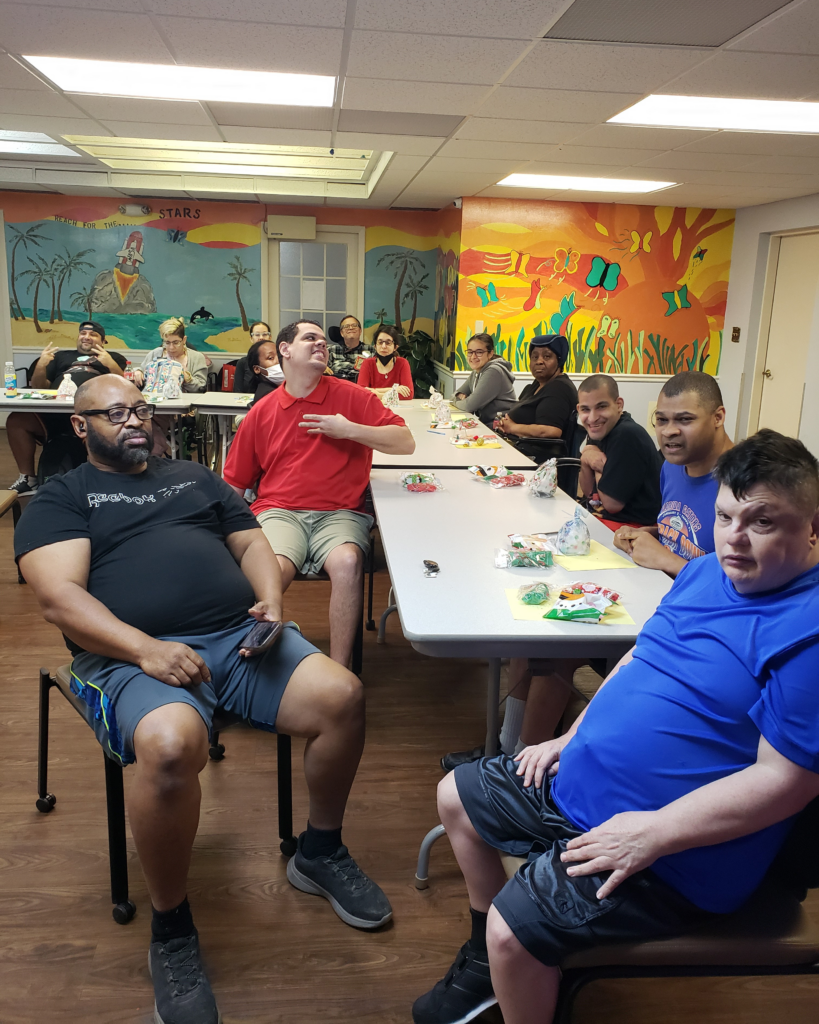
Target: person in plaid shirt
x,y
345,357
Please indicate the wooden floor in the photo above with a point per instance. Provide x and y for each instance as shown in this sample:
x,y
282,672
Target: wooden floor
x,y
275,954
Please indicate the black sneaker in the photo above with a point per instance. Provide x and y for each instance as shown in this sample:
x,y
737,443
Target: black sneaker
x,y
22,485
356,899
181,988
456,757
462,995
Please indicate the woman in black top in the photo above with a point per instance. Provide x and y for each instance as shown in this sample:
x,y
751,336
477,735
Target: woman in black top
x,y
545,406
246,378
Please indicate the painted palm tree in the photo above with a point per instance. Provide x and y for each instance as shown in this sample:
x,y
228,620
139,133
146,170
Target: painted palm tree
x,y
83,299
54,271
415,288
40,273
241,275
400,261
31,236
69,264
380,313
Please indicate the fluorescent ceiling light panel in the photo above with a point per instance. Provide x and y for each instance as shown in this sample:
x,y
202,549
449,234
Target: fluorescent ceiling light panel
x,y
25,136
174,82
715,112
35,148
190,167
572,183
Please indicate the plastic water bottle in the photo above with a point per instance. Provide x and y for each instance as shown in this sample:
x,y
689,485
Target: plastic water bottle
x,y
129,372
67,389
10,380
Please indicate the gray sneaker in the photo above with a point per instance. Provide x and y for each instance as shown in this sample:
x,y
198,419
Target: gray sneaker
x,y
356,899
181,988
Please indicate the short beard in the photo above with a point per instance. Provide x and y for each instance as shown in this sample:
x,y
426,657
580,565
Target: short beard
x,y
116,453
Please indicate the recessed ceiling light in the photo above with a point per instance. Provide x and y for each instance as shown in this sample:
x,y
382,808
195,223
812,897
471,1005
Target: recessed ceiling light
x,y
716,112
573,183
25,136
35,148
173,82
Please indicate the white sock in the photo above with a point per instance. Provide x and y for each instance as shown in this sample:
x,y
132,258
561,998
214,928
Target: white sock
x,y
512,722
32,480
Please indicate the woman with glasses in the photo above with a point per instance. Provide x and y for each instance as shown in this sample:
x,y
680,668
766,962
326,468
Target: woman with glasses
x,y
193,366
489,390
245,379
346,356
386,368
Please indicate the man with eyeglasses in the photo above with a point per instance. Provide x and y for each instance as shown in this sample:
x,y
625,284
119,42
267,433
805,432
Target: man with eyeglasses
x,y
155,571
344,358
25,430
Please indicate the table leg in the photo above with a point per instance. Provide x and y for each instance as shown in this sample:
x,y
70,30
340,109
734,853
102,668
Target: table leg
x,y
174,422
492,703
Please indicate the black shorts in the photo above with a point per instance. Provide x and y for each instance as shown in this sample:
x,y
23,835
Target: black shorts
x,y
551,913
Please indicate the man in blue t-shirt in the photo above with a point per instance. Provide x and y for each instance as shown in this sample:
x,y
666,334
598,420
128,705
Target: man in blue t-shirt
x,y
690,426
678,784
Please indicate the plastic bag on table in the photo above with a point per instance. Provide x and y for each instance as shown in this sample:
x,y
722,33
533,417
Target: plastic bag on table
x,y
420,482
510,480
582,602
533,593
488,472
574,537
391,397
519,558
544,482
67,389
533,542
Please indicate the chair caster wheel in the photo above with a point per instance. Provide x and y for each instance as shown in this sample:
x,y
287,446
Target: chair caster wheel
x,y
124,912
369,625
288,846
217,752
46,803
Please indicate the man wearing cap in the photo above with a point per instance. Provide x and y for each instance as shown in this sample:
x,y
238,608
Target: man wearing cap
x,y
545,406
26,429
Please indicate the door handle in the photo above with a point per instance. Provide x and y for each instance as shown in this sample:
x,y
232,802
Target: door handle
x,y
767,373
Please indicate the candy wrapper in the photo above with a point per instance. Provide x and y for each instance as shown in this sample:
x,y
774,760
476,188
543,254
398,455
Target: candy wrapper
x,y
391,398
489,472
574,538
532,541
544,483
512,480
419,482
534,593
519,558
582,602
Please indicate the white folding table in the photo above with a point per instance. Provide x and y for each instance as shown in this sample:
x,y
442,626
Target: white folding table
x,y
222,406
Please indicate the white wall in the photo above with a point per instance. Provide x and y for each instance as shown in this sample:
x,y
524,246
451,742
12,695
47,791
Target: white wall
x,y
754,229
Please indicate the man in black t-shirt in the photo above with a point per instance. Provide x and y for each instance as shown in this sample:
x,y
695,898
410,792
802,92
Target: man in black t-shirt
x,y
26,429
155,571
620,466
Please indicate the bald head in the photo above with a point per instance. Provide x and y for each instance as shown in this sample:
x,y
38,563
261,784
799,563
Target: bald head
x,y
104,391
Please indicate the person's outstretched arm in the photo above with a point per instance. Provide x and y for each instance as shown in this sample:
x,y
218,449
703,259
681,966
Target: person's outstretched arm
x,y
391,439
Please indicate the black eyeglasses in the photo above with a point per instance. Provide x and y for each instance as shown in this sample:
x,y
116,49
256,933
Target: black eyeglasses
x,y
121,413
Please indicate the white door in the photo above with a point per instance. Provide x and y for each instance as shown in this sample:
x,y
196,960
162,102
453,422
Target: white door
x,y
792,313
319,280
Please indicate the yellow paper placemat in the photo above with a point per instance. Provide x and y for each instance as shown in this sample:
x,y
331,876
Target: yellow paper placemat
x,y
598,558
474,444
616,614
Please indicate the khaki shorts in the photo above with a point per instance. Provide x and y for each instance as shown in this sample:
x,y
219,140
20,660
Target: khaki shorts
x,y
307,538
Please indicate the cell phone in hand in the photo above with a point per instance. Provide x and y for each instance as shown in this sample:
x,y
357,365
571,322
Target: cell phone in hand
x,y
261,638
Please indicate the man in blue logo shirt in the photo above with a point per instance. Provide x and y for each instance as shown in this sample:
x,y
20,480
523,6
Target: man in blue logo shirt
x,y
690,426
680,781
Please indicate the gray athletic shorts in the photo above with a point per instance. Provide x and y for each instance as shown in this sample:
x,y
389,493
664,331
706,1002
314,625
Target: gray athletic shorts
x,y
307,538
118,695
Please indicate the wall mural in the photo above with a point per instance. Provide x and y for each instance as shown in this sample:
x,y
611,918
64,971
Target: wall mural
x,y
130,267
635,289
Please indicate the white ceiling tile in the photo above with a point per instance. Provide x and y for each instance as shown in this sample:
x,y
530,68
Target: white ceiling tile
x,y
431,57
160,194
15,76
87,190
277,200
783,164
621,136
411,97
496,129
497,163
53,126
174,132
254,47
223,197
71,32
325,13
795,30
117,108
556,104
524,19
262,115
756,144
751,75
699,161
393,122
726,179
593,157
468,148
605,67
41,104
693,195
100,5
406,145
584,170
500,192
275,136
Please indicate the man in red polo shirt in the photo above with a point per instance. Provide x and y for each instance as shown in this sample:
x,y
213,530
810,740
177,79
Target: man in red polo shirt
x,y
308,449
